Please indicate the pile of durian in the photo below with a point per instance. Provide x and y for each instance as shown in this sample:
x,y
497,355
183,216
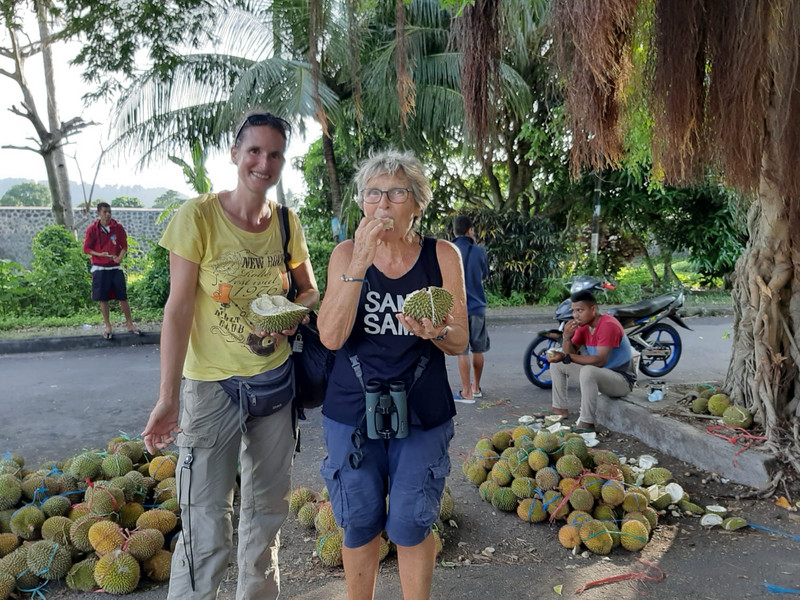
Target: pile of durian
x,y
313,511
603,501
708,400
100,520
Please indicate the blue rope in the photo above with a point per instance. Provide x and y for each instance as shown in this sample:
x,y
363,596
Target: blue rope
x,y
796,538
780,590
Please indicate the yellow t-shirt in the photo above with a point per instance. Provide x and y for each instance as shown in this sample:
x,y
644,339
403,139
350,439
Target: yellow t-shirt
x,y
236,266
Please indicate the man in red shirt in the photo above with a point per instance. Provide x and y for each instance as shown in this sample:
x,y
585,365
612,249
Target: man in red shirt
x,y
107,244
607,367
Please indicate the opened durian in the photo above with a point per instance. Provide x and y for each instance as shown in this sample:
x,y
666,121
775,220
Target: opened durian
x,y
275,313
432,303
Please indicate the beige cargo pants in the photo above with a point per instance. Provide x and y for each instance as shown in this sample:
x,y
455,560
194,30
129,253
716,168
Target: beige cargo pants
x,y
592,380
213,439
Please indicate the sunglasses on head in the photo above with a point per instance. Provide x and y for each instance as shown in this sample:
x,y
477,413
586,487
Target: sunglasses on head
x,y
260,119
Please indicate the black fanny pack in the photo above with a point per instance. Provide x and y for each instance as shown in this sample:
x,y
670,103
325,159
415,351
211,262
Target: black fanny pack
x,y
263,394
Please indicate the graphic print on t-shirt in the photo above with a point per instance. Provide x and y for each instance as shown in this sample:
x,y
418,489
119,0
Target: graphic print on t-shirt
x,y
381,310
240,278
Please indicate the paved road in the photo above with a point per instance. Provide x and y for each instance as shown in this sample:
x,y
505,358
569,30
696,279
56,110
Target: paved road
x,y
53,404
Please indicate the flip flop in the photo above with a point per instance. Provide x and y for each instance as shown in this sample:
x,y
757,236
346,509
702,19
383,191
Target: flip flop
x,y
135,331
107,335
459,398
477,395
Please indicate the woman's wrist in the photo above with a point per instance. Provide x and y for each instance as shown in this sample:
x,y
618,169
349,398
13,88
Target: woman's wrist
x,y
442,335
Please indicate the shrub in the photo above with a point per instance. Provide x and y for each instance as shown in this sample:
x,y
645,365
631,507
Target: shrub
x,y
319,254
60,284
152,290
12,287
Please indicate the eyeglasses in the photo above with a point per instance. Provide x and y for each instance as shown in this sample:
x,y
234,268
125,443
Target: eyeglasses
x,y
395,195
259,119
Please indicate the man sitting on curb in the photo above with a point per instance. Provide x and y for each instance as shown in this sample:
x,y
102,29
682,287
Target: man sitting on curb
x,y
608,367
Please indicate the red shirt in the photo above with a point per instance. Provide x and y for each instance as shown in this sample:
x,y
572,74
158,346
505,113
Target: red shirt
x,y
609,332
113,242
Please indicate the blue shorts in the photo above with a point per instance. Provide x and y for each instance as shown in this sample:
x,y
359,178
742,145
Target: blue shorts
x,y
411,471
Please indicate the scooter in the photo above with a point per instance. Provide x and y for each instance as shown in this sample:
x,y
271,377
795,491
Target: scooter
x,y
658,344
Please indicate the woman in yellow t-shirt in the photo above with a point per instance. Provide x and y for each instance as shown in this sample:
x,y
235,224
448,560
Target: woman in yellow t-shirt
x,y
226,250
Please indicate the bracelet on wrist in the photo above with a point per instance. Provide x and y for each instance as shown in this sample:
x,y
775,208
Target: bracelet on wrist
x,y
443,335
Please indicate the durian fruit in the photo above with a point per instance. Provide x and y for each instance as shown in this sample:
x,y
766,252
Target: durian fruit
x,y
604,457
306,514
274,314
37,487
446,510
329,548
49,560
569,466
610,471
734,523
157,567
8,543
576,447
565,486
143,543
55,506
581,499
76,511
487,490
56,529
637,516
519,467
707,393
117,572
27,522
717,404
633,535
546,441
613,493
86,465
659,498
700,406
486,458
325,520
596,538
5,520
593,485
656,476
105,537
578,517
116,465
437,541
131,449
127,485
476,474
10,491
484,444
691,507
604,512
613,531
531,510
129,513
158,518
555,505
500,473
81,575
522,431
299,497
504,499
547,478
16,565
737,416
166,489
161,467
538,460
79,532
523,487
102,500
432,303
501,441
7,585
634,502
569,537
383,550
629,477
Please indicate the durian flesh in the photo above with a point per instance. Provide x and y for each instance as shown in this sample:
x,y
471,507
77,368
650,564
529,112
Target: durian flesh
x,y
275,313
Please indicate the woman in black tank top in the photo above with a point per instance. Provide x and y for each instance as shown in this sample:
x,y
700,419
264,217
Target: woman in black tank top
x,y
361,316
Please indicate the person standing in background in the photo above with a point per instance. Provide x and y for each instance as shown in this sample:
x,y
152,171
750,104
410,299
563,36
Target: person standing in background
x,y
107,243
476,269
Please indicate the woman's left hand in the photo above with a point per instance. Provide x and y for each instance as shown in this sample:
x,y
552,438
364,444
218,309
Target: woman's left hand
x,y
424,329
282,335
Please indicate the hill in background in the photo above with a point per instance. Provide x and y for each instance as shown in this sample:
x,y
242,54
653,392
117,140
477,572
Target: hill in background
x,y
101,192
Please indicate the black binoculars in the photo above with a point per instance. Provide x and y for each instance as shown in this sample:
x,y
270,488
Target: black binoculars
x,y
387,410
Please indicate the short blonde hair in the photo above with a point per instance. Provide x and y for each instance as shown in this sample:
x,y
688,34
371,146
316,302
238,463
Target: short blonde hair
x,y
390,162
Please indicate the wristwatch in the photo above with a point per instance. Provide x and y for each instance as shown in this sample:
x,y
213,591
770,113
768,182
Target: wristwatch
x,y
567,359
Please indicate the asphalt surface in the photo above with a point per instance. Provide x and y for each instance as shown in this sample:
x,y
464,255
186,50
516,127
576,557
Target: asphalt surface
x,y
56,403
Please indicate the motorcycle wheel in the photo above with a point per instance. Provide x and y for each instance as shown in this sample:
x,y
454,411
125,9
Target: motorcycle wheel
x,y
535,363
665,340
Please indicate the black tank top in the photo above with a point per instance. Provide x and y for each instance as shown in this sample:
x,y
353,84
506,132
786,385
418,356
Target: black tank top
x,y
387,351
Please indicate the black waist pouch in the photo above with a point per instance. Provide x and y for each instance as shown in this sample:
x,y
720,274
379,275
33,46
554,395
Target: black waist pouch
x,y
263,394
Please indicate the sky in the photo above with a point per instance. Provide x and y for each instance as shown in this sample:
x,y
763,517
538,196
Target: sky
x,y
85,146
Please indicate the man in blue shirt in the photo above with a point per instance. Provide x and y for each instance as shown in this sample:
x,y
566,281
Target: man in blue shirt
x,y
476,269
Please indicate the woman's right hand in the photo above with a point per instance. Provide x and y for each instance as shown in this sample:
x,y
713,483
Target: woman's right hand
x,y
366,242
162,426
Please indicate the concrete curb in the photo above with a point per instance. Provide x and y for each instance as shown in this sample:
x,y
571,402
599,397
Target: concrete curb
x,y
683,441
77,342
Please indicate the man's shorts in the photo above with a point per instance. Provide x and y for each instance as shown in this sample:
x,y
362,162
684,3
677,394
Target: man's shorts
x,y
410,470
478,336
109,284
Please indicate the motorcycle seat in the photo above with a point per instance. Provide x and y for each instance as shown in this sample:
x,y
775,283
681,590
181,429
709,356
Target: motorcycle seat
x,y
643,308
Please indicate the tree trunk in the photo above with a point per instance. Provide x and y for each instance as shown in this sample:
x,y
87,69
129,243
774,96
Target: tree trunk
x,y
670,277
56,162
763,371
333,174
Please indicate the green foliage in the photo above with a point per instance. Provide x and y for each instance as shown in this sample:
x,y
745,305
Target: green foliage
x,y
152,289
59,279
319,254
126,202
523,251
514,299
12,287
26,194
168,199
195,174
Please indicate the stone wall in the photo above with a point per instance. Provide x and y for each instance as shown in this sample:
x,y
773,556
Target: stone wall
x,y
19,225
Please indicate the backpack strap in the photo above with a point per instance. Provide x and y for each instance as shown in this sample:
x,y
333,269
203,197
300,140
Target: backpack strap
x,y
287,256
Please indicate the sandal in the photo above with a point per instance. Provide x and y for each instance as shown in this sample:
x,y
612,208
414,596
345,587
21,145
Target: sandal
x,y
107,335
459,397
135,331
477,395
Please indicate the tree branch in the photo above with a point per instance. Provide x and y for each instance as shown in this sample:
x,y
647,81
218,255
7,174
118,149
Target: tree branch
x,y
12,147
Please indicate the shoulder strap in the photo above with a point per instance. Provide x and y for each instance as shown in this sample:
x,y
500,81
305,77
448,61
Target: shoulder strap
x,y
286,230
